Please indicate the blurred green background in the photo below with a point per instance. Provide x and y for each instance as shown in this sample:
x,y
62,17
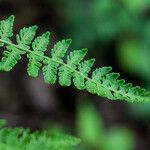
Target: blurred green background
x,y
117,34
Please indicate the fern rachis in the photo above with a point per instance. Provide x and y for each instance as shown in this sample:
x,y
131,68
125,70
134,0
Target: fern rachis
x,y
102,82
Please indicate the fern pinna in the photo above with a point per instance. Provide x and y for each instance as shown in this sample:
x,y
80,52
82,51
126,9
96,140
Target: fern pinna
x,y
103,82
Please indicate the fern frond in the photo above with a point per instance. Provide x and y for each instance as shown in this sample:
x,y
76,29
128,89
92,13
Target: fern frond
x,y
19,138
102,82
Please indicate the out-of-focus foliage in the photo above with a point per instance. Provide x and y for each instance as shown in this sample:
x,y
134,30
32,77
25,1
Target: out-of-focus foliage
x,y
19,138
92,130
101,20
134,50
119,139
92,21
134,57
90,125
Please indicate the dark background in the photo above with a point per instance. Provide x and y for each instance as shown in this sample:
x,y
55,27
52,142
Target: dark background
x,y
117,34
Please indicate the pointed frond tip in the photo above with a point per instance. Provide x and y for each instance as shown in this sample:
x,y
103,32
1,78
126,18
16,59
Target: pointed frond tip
x,y
74,68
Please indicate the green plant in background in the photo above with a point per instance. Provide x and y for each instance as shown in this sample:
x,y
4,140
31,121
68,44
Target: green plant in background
x,y
92,131
103,20
99,22
134,51
103,82
19,138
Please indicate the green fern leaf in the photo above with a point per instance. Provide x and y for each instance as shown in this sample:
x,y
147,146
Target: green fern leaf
x,y
6,28
39,45
19,138
60,48
57,53
84,68
10,58
62,142
103,81
97,75
50,71
25,36
73,59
